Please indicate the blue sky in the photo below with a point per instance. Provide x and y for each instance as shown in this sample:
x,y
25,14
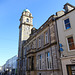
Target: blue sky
x,y
10,12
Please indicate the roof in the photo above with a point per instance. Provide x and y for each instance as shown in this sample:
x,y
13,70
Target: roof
x,y
26,10
69,5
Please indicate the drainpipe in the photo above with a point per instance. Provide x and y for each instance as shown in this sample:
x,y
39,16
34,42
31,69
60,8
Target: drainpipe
x,y
57,38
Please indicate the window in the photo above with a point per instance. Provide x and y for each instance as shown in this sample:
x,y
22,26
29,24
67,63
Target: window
x,y
27,47
27,20
71,69
67,24
40,60
39,42
34,43
48,60
39,73
29,63
71,43
32,65
46,37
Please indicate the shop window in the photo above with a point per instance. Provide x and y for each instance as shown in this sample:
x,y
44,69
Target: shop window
x,y
71,69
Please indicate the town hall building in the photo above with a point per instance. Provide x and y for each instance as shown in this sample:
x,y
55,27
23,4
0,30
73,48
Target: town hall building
x,y
39,52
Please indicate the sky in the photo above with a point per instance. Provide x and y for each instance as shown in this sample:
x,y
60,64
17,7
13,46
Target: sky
x,y
10,13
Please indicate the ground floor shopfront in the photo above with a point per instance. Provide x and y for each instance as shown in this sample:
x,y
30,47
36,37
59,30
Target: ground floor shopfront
x,y
68,65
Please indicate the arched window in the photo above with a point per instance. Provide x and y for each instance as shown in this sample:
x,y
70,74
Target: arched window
x,y
27,20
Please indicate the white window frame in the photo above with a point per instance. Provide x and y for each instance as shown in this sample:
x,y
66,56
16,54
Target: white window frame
x,y
68,44
64,23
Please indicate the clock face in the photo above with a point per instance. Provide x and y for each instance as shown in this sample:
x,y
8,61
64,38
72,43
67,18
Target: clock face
x,y
28,27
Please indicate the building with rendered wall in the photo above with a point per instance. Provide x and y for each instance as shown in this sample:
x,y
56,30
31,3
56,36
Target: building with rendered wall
x,y
66,32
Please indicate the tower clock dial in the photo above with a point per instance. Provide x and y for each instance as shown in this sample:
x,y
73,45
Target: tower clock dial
x,y
28,27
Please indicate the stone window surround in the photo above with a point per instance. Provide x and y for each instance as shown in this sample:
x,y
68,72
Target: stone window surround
x,y
67,42
46,37
64,23
49,60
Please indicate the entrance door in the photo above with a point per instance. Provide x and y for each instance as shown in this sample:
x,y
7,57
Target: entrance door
x,y
71,69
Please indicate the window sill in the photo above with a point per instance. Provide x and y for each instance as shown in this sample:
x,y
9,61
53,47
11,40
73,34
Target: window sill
x,y
39,48
67,29
46,44
71,50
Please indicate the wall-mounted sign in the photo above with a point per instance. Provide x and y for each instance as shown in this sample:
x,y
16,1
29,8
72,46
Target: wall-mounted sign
x,y
61,49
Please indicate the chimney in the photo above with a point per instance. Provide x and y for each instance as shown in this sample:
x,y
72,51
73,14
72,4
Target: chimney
x,y
68,7
33,30
59,13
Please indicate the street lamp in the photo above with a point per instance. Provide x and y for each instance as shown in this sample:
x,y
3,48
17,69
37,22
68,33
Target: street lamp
x,y
7,71
10,71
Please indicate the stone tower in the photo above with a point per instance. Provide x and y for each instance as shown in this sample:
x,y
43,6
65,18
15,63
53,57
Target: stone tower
x,y
26,24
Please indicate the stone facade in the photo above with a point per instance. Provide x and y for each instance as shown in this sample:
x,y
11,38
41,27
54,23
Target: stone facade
x,y
39,54
25,27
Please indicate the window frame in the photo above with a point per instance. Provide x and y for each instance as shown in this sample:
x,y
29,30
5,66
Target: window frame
x,y
68,44
49,60
39,73
27,20
39,42
40,60
65,24
46,37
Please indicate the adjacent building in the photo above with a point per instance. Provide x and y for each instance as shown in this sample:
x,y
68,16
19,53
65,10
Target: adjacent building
x,y
66,32
10,67
0,70
48,50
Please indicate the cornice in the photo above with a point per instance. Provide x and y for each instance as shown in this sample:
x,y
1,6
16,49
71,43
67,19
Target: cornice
x,y
25,24
26,16
41,49
67,57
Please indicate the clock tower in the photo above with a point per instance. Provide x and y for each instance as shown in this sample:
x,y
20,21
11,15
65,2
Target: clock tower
x,y
26,24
